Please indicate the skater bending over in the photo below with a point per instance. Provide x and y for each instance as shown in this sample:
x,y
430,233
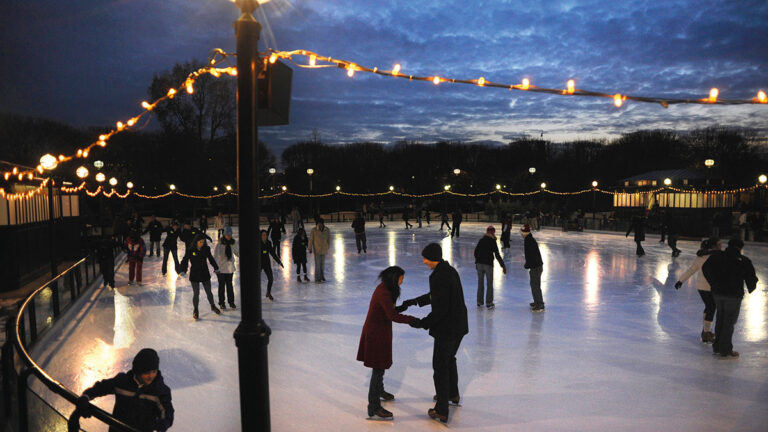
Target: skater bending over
x,y
196,256
266,250
375,349
708,247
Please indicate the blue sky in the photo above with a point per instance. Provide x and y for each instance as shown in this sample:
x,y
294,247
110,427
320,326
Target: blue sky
x,y
90,63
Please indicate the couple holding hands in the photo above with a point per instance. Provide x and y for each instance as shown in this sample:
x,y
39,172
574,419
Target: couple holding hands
x,y
447,324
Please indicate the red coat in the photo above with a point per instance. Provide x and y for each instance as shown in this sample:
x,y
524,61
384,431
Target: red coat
x,y
136,250
375,350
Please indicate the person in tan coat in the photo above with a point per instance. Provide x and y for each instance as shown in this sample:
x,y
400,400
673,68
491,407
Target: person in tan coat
x,y
707,247
319,243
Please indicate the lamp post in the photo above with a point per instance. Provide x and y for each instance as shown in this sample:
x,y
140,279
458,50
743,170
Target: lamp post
x,y
252,334
709,163
311,171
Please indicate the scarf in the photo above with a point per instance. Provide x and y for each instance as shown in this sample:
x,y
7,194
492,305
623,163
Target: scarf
x,y
228,247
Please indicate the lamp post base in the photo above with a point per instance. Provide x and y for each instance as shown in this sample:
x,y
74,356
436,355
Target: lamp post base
x,y
252,341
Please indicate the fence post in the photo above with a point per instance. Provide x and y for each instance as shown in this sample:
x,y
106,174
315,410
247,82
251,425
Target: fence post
x,y
32,321
55,299
21,387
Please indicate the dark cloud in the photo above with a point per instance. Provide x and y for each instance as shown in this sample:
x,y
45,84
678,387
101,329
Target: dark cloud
x,y
88,62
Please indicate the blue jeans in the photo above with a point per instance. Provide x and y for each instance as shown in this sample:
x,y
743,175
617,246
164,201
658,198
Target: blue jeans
x,y
727,315
484,270
319,267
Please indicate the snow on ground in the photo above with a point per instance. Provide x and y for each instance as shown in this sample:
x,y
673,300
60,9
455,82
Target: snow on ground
x,y
617,348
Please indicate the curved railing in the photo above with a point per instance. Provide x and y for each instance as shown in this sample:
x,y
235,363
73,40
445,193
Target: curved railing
x,y
76,279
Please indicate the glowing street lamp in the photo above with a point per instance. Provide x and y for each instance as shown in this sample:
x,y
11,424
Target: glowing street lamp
x,y
172,187
82,172
391,188
709,163
667,181
98,164
762,179
229,188
543,185
338,188
215,188
594,183
129,185
310,171
100,177
49,162
498,187
284,188
447,187
532,170
272,171
457,171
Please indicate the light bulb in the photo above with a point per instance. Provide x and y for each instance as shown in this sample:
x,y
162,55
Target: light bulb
x,y
273,58
350,71
396,69
481,81
48,162
312,60
571,86
146,105
761,97
526,84
617,100
713,95
436,80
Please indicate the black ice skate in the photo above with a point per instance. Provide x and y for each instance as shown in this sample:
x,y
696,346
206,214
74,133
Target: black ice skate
x,y
306,279
451,400
379,414
437,416
215,310
195,315
232,306
387,396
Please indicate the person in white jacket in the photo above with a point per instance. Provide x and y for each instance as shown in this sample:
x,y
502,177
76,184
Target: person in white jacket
x,y
224,254
218,225
707,247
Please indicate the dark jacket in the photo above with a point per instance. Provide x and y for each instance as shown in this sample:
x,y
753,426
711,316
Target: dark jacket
x,y
105,251
147,409
375,348
449,312
155,230
171,237
188,235
638,226
532,253
299,250
727,272
274,230
196,258
485,250
358,225
456,217
266,250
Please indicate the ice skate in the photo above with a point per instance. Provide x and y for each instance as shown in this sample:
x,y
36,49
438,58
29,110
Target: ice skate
x,y
379,414
537,308
215,310
298,278
491,306
707,337
387,396
437,416
232,306
269,296
730,355
195,315
451,400
306,279
222,306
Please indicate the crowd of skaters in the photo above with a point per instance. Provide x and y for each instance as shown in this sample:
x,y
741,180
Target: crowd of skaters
x,y
721,276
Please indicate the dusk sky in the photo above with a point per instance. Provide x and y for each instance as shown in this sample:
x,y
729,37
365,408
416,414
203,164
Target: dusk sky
x,y
91,62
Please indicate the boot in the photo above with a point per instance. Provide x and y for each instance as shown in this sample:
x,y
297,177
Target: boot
x,y
269,296
215,310
454,400
298,278
387,396
437,416
306,279
232,306
379,413
710,337
222,306
195,315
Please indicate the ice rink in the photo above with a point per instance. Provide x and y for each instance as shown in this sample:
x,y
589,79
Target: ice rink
x,y
617,349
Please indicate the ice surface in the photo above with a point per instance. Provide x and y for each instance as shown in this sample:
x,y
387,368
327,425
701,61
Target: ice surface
x,y
617,348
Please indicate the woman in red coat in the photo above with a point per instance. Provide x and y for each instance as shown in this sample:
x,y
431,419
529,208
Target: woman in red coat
x,y
375,350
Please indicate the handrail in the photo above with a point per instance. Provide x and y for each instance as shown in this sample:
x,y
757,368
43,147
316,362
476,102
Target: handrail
x,y
50,382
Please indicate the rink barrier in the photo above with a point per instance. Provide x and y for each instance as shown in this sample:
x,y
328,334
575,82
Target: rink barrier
x,y
42,308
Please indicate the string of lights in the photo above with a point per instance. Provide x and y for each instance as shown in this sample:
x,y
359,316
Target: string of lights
x,y
26,194
315,60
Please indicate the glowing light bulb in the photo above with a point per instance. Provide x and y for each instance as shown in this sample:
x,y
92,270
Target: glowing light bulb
x,y
120,126
16,170
132,121
481,81
338,188
312,60
273,58
571,86
172,187
146,106
85,153
232,71
190,88
617,100
100,177
171,92
762,179
396,69
391,188
229,188
82,172
446,187
713,95
594,183
350,71
48,162
30,176
215,72
498,187
543,185
761,97
526,84
113,181
102,137
7,175
284,188
436,80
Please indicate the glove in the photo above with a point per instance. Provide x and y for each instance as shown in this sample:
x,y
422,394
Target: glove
x,y
415,323
504,270
411,302
216,271
402,308
84,406
678,284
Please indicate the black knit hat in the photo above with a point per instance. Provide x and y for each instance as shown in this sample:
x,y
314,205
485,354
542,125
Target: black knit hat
x,y
146,360
433,252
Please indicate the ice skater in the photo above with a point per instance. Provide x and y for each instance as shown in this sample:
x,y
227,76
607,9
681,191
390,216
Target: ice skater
x,y
727,272
428,216
319,243
275,233
708,247
190,233
447,324
457,218
444,221
638,226
204,224
136,249
419,213
673,234
225,252
142,400
266,266
535,266
406,216
218,225
485,250
358,225
155,230
375,348
196,256
105,252
170,246
299,253
381,218
506,231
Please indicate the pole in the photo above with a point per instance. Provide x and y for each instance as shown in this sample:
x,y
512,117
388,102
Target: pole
x,y
52,247
252,334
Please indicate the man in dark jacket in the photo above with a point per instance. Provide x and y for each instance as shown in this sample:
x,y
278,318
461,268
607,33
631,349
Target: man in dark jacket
x,y
155,229
674,227
535,267
638,226
358,225
105,251
727,272
170,246
447,324
485,250
456,223
189,233
142,399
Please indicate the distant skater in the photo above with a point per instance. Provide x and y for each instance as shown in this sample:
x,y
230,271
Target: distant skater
x,y
708,247
319,243
155,230
506,231
266,266
535,266
406,216
204,224
299,253
673,234
375,347
444,221
457,218
428,216
218,225
275,233
196,256
170,246
136,249
358,225
224,254
381,218
638,226
485,251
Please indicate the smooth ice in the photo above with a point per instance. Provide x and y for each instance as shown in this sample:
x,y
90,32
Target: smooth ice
x,y
617,348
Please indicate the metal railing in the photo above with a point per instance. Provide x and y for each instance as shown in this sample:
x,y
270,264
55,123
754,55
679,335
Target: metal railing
x,y
37,313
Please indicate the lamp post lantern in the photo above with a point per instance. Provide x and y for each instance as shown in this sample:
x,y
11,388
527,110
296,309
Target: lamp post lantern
x,y
82,172
252,333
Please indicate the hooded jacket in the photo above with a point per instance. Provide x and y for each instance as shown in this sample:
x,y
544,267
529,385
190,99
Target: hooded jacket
x,y
448,317
728,271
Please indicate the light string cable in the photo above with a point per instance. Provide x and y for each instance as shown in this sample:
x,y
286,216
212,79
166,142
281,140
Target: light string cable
x,y
315,60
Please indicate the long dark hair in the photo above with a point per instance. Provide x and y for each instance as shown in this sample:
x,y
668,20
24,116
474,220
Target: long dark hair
x,y
391,278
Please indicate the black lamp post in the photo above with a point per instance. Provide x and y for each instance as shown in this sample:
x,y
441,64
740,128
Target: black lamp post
x,y
252,334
